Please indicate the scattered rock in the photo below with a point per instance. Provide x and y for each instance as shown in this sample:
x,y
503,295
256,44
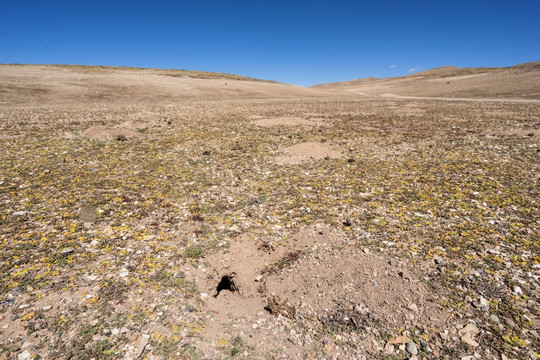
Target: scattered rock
x,y
87,214
444,335
19,213
481,303
411,348
510,322
495,319
399,340
517,291
123,273
467,339
467,334
137,348
24,355
470,328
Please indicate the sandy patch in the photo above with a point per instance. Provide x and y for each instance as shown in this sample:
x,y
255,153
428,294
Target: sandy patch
x,y
285,121
307,151
108,133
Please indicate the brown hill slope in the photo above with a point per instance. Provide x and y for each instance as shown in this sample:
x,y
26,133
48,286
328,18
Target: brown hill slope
x,y
519,81
61,84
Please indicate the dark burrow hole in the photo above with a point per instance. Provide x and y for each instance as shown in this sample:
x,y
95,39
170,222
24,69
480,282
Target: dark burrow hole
x,y
227,282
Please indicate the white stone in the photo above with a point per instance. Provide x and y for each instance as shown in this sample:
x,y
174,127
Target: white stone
x,y
24,355
123,273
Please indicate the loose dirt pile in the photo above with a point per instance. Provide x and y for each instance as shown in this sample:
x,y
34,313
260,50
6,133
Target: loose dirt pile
x,y
308,282
285,121
108,133
298,153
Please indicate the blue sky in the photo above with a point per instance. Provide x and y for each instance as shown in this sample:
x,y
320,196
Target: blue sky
x,y
297,42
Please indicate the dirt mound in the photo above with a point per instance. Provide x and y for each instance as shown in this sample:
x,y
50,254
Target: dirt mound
x,y
309,282
309,150
345,281
108,133
290,121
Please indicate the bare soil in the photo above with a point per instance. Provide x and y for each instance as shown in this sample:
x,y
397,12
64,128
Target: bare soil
x,y
108,133
285,121
307,151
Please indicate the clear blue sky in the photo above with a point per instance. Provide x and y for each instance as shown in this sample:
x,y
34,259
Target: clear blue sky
x,y
297,42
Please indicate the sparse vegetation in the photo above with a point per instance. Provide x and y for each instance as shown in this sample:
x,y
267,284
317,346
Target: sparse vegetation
x,y
449,188
194,252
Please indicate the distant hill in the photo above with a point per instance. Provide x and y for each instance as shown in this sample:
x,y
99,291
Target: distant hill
x,y
78,84
518,81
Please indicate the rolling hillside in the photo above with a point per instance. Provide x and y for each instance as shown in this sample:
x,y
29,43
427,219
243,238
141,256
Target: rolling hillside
x,y
515,82
60,84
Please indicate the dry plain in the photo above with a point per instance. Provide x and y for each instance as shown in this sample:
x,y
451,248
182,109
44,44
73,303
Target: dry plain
x,y
162,214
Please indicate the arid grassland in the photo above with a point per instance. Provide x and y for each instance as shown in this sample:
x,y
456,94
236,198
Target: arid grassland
x,y
312,228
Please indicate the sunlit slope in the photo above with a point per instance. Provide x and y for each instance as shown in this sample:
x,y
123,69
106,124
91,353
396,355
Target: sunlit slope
x,y
519,82
46,84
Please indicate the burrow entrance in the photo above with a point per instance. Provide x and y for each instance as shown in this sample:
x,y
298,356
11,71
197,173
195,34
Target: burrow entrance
x,y
227,282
